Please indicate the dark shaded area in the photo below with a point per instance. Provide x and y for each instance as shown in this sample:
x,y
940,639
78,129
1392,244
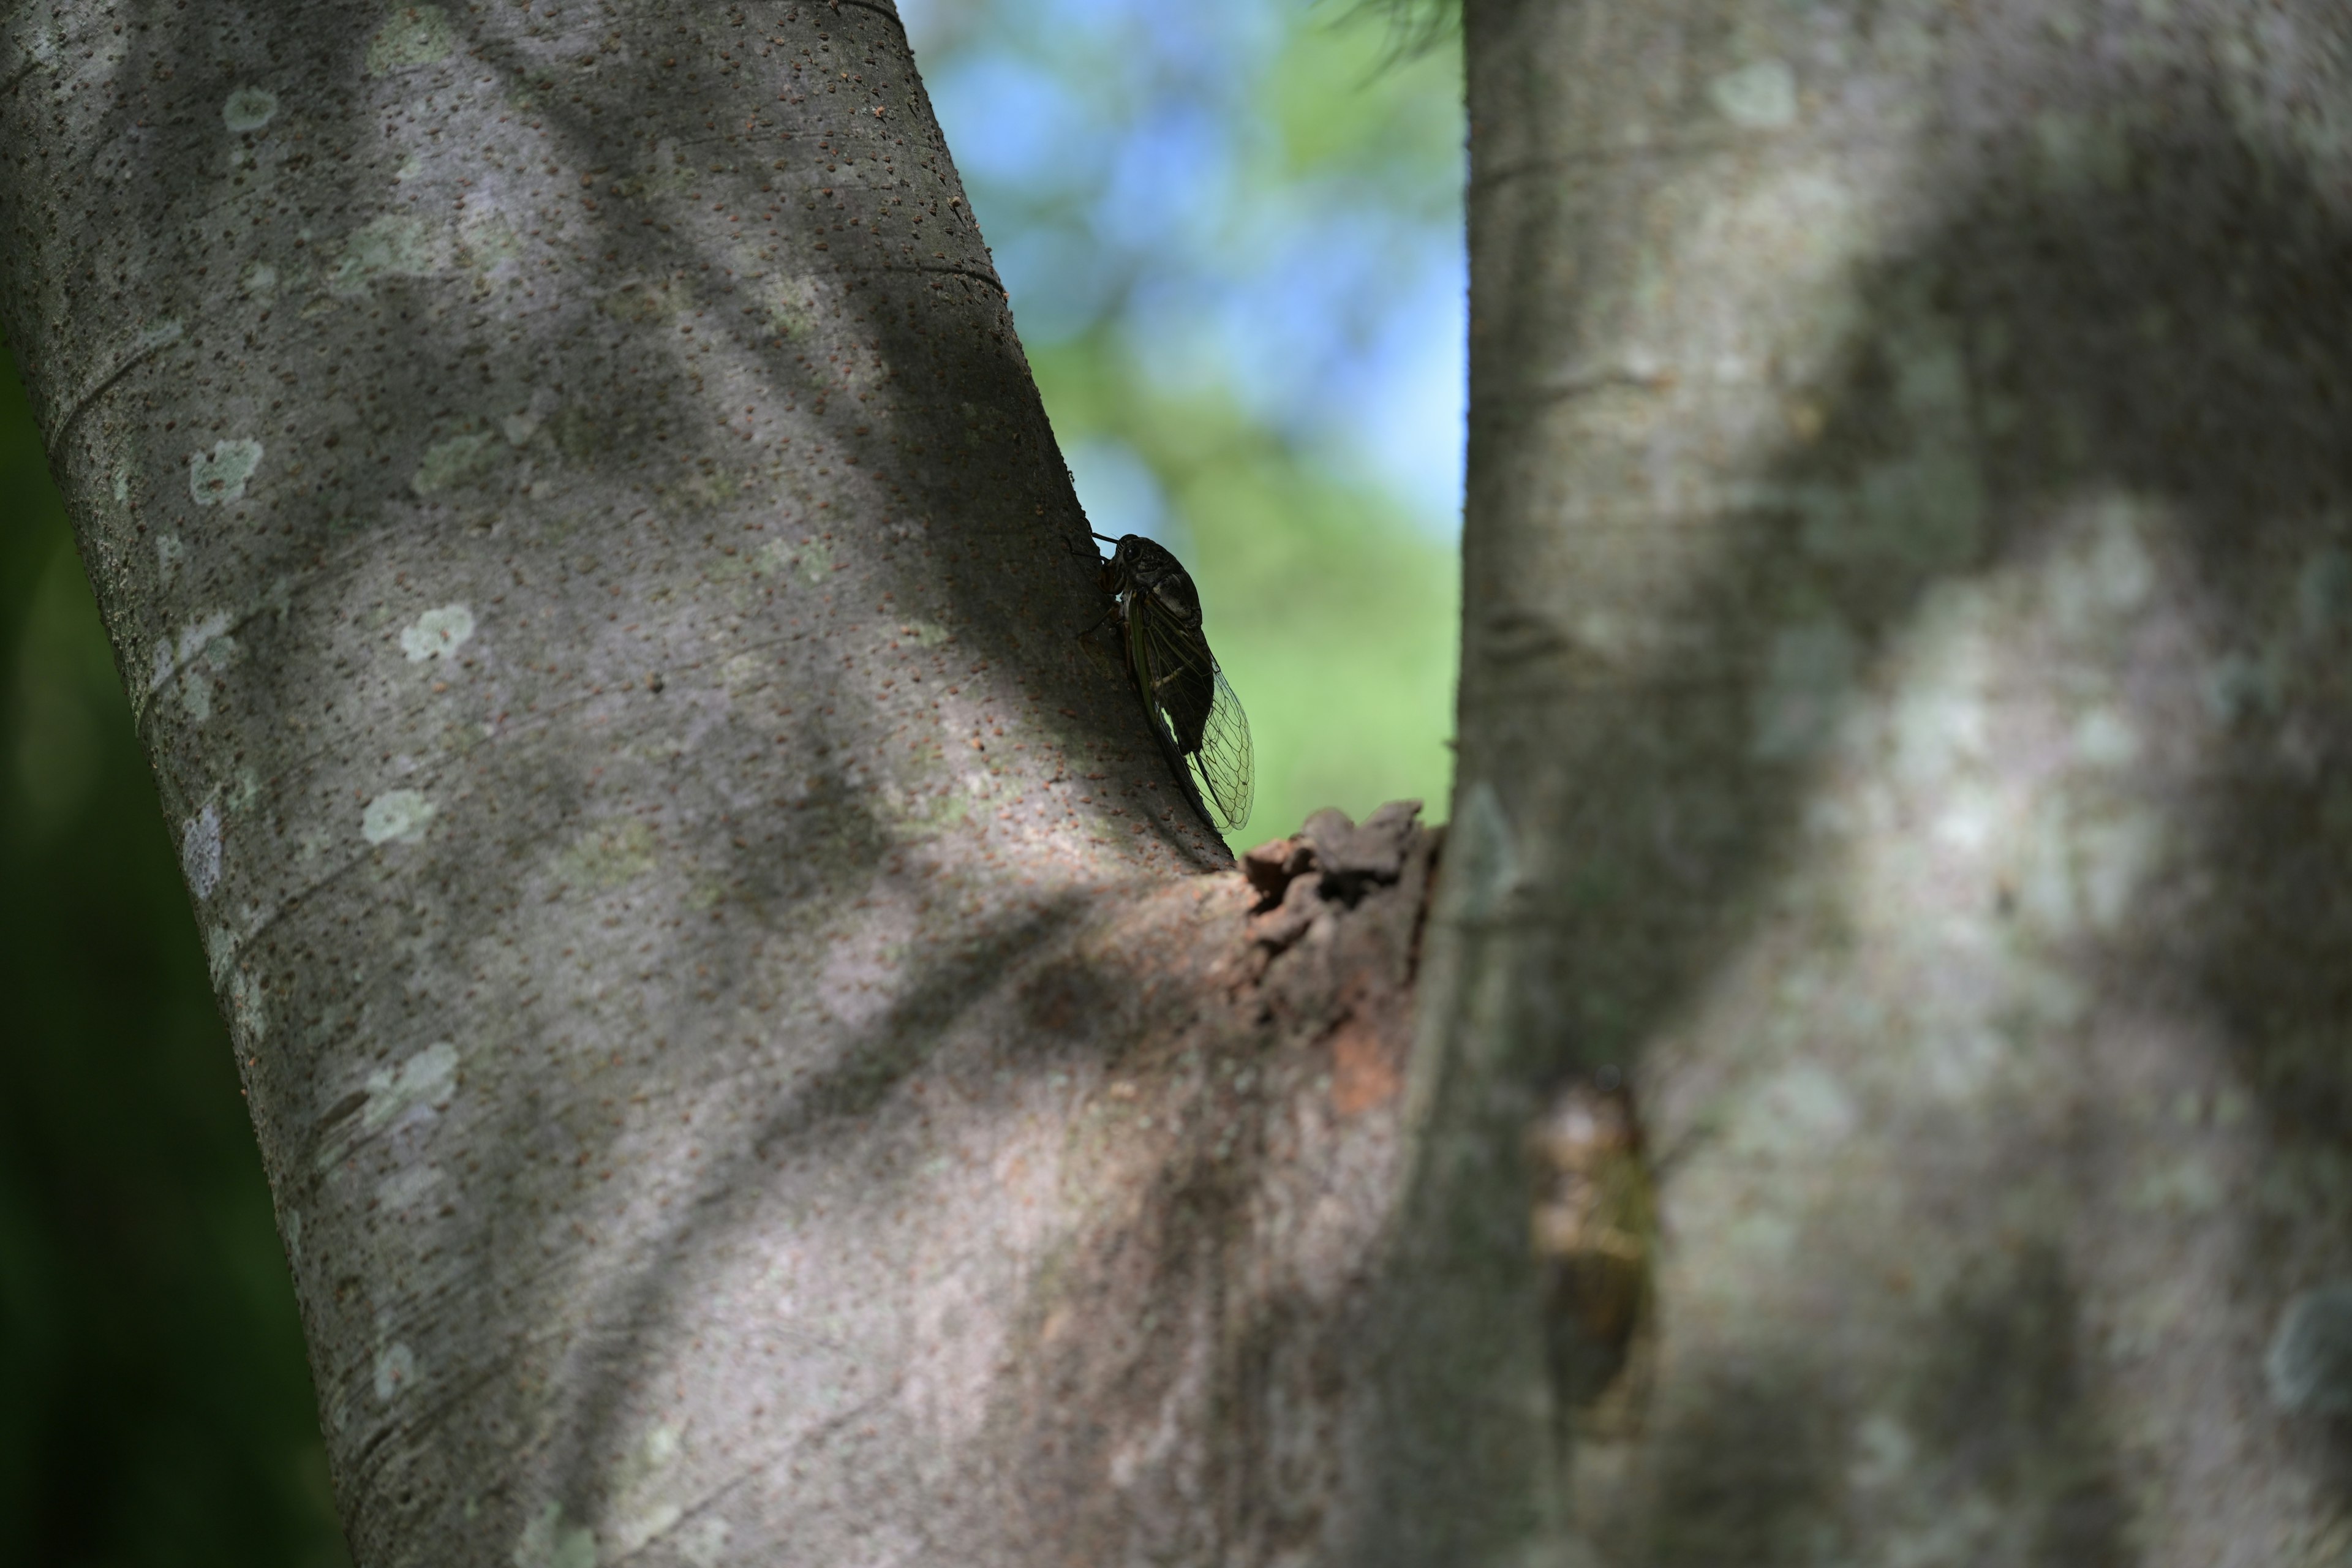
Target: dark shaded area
x,y
1762,1465
1747,1476
154,1406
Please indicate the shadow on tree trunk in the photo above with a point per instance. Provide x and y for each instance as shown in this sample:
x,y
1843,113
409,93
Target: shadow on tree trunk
x,y
2084,464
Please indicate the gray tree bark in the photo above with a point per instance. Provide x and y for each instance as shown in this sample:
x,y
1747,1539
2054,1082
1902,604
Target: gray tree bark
x,y
748,1066
1903,727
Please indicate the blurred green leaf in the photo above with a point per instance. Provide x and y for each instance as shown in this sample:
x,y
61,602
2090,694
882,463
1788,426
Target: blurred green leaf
x,y
154,1404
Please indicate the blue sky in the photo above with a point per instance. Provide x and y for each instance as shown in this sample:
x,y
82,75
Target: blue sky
x,y
1239,197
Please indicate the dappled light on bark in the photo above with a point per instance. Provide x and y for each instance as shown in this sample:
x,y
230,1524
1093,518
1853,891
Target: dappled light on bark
x,y
1908,570
603,603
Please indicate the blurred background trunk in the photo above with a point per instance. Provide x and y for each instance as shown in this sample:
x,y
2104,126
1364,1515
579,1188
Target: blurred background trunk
x,y
1905,728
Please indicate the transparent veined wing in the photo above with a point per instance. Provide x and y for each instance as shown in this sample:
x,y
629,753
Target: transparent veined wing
x,y
1227,767
1182,684
1175,669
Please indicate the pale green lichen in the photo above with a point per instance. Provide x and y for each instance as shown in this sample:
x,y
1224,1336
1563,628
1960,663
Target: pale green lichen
x,y
248,109
407,1187
220,953
200,851
551,1540
1800,1110
203,649
395,1368
2323,590
1884,1451
219,476
608,857
392,245
2309,1363
436,634
172,654
485,239
575,433
789,313
2081,151
2103,572
1963,1061
655,301
704,1543
640,1513
415,35
2236,685
396,817
2114,858
2105,738
2185,1186
918,814
459,460
709,490
428,1078
1760,97
246,1009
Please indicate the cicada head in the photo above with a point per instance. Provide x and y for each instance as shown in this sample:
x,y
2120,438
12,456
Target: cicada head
x,y
1146,565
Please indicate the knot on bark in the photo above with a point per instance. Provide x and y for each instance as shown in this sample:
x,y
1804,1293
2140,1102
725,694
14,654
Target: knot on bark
x,y
1329,862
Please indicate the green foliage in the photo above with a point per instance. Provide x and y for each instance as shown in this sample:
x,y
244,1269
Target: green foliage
x,y
1380,104
1415,28
1333,613
154,1405
1232,236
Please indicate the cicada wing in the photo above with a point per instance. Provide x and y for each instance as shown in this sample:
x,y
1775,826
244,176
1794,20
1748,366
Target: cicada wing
x,y
1145,660
1227,766
1175,669
1182,685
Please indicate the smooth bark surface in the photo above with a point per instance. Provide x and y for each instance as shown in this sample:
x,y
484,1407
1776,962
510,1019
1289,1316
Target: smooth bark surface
x,y
748,1066
1903,715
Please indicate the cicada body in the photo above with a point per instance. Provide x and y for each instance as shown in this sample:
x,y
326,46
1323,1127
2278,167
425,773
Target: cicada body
x,y
1593,1225
1194,711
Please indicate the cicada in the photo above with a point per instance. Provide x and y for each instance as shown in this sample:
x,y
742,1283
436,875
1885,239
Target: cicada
x,y
1594,1226
1194,711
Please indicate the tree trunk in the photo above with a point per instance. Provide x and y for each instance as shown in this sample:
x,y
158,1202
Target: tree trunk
x,y
747,1064
1903,727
